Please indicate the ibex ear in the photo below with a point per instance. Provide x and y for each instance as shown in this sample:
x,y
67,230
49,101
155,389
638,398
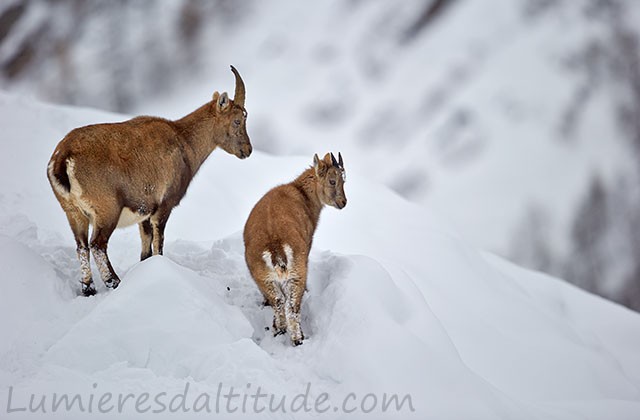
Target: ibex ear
x,y
319,166
222,104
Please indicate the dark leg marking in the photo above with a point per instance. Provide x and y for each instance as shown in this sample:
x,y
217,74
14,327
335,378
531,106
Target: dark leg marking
x,y
146,236
158,223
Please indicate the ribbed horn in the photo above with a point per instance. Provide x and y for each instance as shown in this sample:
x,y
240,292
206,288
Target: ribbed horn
x,y
238,98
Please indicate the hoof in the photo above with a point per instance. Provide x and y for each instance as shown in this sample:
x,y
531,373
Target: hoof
x,y
277,332
112,283
88,289
296,341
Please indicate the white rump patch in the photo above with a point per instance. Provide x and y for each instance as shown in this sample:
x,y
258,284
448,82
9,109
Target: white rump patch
x,y
277,273
266,256
76,189
54,181
289,253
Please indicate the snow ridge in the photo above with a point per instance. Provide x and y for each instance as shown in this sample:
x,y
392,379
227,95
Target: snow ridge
x,y
396,305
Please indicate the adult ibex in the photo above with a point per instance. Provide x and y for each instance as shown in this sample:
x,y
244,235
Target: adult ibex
x,y
137,171
279,233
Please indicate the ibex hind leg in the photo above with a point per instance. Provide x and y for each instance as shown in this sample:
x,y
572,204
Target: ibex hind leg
x,y
80,227
88,288
102,230
293,291
273,297
277,302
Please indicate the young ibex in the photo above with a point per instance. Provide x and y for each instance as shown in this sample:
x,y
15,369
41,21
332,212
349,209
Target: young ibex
x,y
279,233
137,171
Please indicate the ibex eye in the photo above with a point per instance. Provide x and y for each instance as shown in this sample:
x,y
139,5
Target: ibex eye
x,y
332,182
236,122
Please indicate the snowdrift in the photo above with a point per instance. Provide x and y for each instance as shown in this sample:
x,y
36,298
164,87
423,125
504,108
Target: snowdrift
x,y
396,305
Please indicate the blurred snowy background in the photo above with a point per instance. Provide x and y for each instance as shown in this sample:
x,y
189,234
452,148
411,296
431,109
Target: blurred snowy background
x,y
518,120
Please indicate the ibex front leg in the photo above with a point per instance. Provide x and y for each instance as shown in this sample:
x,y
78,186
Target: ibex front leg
x,y
158,223
146,237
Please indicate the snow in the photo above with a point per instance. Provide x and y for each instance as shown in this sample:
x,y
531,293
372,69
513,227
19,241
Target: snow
x,y
479,117
397,303
500,114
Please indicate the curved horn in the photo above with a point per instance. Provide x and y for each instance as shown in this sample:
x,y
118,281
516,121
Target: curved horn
x,y
238,97
340,162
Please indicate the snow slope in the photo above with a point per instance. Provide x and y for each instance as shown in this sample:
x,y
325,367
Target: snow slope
x,y
396,304
482,110
501,114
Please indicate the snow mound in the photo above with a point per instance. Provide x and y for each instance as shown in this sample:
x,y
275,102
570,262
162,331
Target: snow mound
x,y
396,305
131,326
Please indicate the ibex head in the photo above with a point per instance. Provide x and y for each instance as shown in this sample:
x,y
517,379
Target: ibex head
x,y
232,120
331,178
